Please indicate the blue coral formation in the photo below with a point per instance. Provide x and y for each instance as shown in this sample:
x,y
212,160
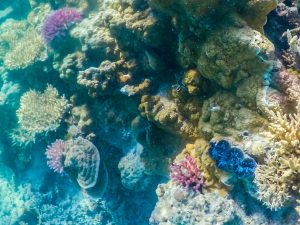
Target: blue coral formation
x,y
232,159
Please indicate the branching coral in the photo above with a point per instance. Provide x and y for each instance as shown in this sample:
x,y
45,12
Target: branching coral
x,y
56,25
187,174
26,51
278,179
41,112
20,45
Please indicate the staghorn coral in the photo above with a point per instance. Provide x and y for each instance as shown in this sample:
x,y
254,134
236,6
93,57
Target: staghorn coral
x,y
26,51
41,112
20,45
278,179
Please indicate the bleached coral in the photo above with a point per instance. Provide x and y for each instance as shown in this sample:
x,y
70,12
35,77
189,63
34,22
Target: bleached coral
x,y
41,112
15,199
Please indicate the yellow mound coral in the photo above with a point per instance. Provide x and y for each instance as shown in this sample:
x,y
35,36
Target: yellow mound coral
x,y
41,112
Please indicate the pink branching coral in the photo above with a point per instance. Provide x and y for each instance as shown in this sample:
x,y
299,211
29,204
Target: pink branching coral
x,y
56,25
187,174
55,155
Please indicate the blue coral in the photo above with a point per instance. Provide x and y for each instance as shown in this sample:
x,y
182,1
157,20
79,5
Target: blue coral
x,y
232,159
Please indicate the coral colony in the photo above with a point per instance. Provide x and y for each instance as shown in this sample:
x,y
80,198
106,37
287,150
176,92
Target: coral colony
x,y
150,112
55,155
56,25
186,174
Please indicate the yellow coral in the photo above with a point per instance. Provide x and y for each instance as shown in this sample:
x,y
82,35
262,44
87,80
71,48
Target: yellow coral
x,y
41,112
280,177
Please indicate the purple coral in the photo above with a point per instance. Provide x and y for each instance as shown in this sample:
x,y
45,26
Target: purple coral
x,y
55,155
187,174
56,25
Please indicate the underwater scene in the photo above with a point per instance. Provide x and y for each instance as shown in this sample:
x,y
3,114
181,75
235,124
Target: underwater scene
x,y
150,112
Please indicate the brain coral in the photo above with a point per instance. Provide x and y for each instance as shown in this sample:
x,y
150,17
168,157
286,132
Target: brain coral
x,y
41,112
56,25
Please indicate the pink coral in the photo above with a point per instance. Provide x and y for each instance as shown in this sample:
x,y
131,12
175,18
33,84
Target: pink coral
x,y
187,174
55,155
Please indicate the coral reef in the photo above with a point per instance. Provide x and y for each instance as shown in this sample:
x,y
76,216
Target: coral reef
x,y
80,159
198,97
278,179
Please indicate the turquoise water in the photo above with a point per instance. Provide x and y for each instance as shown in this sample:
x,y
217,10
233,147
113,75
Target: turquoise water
x,y
149,112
